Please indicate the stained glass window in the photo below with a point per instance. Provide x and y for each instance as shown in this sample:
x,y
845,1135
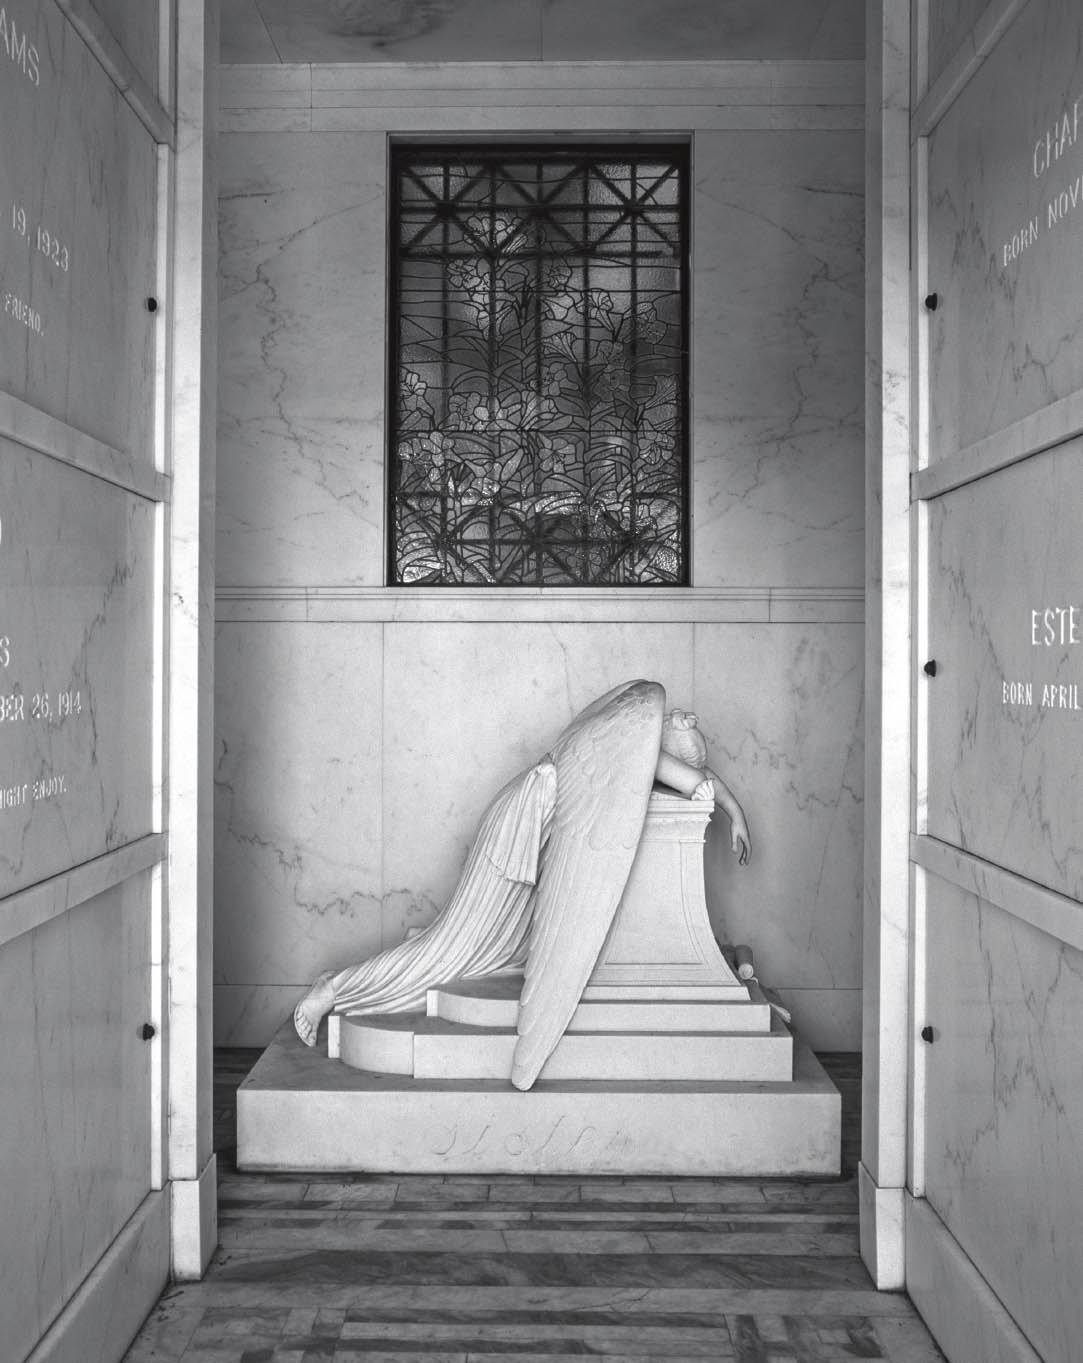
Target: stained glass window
x,y
538,412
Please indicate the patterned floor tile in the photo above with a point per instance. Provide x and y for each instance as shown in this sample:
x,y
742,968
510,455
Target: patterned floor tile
x,y
480,1270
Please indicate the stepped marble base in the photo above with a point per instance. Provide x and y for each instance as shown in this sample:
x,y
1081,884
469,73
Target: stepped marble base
x,y
430,1048
300,1111
468,1032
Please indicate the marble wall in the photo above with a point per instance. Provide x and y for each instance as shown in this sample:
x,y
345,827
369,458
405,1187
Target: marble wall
x,y
77,1075
82,586
76,670
536,30
997,808
77,262
1005,1108
1006,630
361,730
1004,229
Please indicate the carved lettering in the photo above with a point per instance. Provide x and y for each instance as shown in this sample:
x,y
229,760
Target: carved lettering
x,y
40,238
559,1140
1018,693
1056,696
1020,242
22,793
12,797
19,49
49,707
49,786
1054,625
21,311
1064,203
1056,140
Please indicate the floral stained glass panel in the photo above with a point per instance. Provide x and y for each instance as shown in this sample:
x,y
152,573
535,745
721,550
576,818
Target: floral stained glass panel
x,y
539,412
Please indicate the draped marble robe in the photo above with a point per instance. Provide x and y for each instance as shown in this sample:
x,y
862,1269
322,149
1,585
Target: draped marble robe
x,y
484,929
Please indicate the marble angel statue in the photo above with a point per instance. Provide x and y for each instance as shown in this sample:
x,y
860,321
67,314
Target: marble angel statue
x,y
544,875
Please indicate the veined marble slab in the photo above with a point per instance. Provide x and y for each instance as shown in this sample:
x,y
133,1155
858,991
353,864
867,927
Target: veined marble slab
x,y
495,1003
430,1048
1006,704
1005,189
1004,1109
75,1126
77,576
530,30
298,1110
78,210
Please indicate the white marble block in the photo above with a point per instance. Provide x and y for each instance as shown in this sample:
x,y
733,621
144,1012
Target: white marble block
x,y
298,1110
661,934
430,1048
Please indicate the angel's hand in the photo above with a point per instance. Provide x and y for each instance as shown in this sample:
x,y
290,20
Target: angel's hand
x,y
740,842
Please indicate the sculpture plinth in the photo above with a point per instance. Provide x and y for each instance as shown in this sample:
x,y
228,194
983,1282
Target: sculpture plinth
x,y
670,1064
661,939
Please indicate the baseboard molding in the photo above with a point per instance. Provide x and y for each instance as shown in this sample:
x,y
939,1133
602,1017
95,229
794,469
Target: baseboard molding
x,y
195,1222
882,1232
104,1315
964,1315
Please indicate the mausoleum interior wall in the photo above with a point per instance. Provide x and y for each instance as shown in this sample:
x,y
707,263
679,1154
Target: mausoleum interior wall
x,y
995,1167
104,947
361,730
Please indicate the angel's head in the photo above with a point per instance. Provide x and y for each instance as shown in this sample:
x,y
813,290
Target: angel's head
x,y
681,738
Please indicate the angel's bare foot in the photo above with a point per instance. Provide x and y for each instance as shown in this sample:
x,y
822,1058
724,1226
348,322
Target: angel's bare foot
x,y
312,1009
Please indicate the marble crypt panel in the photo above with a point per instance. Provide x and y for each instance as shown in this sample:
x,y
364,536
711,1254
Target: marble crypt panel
x,y
1005,223
1006,631
78,189
76,680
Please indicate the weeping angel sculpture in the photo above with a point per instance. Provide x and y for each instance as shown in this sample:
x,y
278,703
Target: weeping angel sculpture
x,y
544,875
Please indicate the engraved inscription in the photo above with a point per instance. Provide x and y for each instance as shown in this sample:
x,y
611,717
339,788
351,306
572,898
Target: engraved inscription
x,y
1050,627
46,787
1055,143
556,1141
78,234
1058,139
1054,625
21,311
43,241
46,707
18,48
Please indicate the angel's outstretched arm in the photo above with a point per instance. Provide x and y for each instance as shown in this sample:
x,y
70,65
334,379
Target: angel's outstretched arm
x,y
740,842
686,779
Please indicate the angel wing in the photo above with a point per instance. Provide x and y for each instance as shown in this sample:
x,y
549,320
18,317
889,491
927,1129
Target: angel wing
x,y
605,762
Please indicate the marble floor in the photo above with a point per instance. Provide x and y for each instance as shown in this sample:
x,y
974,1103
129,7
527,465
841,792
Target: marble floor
x,y
381,1267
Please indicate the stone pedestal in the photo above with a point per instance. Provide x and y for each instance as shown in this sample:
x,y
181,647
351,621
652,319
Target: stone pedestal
x,y
299,1110
670,1064
661,943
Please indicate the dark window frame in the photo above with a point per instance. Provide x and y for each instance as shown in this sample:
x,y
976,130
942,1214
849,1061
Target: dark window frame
x,y
668,567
